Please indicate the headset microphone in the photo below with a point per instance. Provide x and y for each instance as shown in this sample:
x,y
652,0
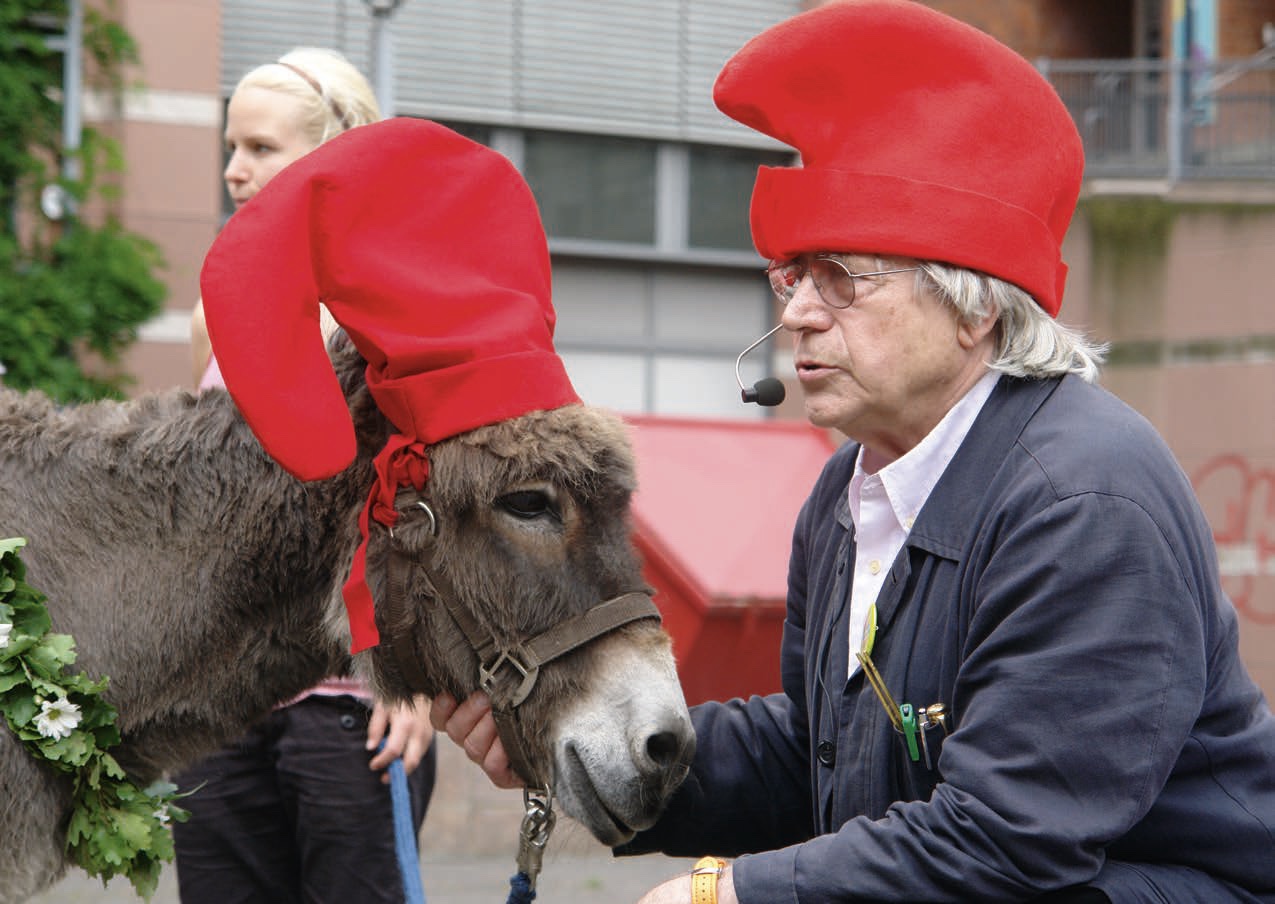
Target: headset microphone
x,y
767,392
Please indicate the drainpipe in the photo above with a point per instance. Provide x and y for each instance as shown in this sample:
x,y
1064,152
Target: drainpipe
x,y
1175,118
72,78
1180,67
383,53
55,201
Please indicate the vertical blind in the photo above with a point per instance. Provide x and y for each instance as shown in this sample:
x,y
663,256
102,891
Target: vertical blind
x,y
642,68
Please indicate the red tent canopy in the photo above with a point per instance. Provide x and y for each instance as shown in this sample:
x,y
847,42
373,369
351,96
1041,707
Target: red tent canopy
x,y
714,514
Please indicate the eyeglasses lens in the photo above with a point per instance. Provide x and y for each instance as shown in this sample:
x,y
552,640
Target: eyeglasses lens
x,y
784,279
832,280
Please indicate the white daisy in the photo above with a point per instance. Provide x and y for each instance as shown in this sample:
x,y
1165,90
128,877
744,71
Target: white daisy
x,y
5,628
57,718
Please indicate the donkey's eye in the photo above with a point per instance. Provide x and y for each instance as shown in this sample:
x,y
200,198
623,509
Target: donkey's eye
x,y
528,504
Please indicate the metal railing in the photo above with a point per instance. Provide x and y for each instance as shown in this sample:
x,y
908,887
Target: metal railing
x,y
1154,119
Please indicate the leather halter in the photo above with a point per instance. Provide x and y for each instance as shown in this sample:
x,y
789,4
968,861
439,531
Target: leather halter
x,y
507,674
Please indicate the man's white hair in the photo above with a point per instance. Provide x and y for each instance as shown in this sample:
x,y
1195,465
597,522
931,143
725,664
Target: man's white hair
x,y
1029,343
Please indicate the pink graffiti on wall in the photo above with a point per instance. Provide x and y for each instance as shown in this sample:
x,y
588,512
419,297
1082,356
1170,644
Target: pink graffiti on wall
x,y
1239,500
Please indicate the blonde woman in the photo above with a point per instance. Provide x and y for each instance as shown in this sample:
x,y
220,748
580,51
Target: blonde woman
x,y
298,809
278,113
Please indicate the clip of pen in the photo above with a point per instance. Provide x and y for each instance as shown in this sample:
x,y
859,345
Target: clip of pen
x,y
878,686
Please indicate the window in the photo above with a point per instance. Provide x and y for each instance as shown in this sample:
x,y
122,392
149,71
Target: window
x,y
592,187
472,131
663,339
721,184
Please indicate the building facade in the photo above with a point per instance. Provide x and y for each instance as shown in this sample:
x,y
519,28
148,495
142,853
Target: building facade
x,y
643,185
644,189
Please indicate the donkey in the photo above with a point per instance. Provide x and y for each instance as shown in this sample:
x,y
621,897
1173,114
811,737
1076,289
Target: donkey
x,y
204,580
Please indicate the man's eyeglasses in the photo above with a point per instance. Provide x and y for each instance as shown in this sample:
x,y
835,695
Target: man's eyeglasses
x,y
832,276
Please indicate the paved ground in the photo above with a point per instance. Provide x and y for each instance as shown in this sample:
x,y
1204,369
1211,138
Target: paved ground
x,y
450,879
468,845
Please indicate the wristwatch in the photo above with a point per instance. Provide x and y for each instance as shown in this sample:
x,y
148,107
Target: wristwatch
x,y
704,876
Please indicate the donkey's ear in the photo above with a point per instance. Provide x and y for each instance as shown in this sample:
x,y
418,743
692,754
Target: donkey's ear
x,y
261,301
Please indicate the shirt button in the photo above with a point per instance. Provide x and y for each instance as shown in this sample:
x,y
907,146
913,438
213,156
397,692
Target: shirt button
x,y
826,752
875,566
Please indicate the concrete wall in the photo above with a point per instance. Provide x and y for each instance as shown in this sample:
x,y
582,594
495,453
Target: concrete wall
x,y
1181,287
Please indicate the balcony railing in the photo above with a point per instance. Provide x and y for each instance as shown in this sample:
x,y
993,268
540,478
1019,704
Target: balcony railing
x,y
1153,119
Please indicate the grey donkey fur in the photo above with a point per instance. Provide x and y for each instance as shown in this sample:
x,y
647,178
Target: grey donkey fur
x,y
205,581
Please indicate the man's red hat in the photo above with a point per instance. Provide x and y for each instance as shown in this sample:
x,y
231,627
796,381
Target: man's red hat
x,y
428,249
920,136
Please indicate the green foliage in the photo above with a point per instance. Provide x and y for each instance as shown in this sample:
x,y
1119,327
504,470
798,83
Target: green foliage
x,y
73,286
115,828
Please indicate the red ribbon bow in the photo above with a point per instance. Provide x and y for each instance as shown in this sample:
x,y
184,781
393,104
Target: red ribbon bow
x,y
401,463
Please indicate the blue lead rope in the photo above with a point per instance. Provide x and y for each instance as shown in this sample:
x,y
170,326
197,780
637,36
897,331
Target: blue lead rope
x,y
520,890
409,864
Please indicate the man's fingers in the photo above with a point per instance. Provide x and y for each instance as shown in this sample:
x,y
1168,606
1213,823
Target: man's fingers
x,y
496,765
479,732
441,710
471,725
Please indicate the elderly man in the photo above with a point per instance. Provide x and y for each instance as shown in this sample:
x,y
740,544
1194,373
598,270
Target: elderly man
x,y
1009,670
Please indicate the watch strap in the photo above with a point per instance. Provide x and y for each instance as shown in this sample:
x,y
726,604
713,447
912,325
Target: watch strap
x,y
704,876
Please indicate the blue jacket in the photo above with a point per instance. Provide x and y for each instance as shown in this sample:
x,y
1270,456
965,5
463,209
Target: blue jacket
x,y
1059,594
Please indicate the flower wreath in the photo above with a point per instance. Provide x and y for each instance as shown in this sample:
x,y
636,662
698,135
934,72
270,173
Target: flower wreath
x,y
115,828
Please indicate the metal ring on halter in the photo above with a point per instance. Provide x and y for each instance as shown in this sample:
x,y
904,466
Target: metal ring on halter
x,y
433,521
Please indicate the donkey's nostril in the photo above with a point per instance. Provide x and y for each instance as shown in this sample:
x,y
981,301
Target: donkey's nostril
x,y
663,747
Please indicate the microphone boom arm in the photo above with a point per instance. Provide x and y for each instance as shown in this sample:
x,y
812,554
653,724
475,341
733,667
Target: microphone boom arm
x,y
768,391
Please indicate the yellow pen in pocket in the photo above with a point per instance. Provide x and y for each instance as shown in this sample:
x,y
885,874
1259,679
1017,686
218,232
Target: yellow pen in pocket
x,y
878,686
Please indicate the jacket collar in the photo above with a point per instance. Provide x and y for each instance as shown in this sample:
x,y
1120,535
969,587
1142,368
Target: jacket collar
x,y
945,524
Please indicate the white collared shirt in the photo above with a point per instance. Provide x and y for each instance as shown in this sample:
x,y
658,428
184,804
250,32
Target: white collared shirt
x,y
884,505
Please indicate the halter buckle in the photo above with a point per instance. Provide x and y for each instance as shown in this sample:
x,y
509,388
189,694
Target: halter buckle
x,y
487,676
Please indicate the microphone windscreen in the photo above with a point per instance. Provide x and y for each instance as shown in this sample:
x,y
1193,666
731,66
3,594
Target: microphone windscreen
x,y
770,392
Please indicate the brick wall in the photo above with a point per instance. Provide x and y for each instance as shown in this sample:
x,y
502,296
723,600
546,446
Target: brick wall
x,y
1062,29
170,134
1239,27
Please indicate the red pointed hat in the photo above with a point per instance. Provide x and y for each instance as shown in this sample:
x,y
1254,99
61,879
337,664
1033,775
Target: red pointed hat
x,y
428,249
920,136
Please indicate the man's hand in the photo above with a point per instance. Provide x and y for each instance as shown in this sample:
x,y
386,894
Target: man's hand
x,y
678,890
409,733
472,726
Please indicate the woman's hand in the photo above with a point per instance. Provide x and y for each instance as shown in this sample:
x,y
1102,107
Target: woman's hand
x,y
406,730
